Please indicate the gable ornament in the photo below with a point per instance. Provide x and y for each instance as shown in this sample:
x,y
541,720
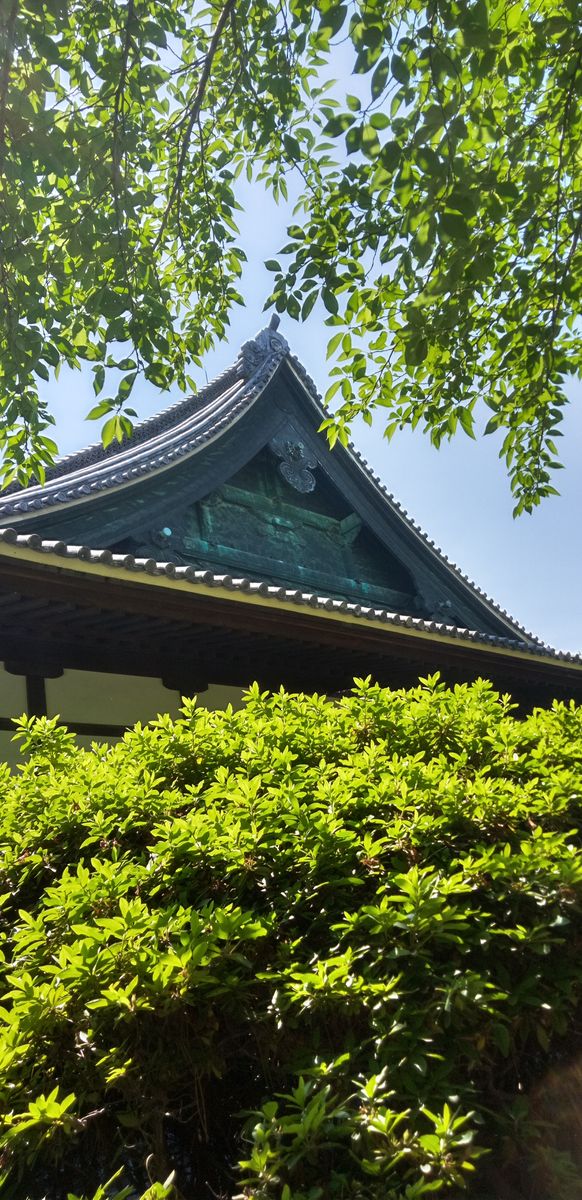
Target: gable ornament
x,y
297,462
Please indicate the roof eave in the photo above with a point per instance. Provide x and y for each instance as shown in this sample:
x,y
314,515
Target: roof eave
x,y
102,565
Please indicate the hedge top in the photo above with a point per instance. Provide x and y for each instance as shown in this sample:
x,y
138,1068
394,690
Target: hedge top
x,y
308,949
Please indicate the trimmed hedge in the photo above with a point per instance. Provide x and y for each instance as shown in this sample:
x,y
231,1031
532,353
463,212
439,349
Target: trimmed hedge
x,y
310,949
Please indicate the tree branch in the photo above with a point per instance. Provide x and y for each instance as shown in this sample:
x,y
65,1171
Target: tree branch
x,y
194,114
8,49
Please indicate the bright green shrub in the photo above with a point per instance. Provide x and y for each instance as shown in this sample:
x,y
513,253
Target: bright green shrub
x,y
309,949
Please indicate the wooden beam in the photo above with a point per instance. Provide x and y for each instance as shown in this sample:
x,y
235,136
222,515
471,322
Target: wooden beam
x,y
87,728
36,696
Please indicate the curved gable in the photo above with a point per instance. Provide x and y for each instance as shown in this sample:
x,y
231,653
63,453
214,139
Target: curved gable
x,y
238,480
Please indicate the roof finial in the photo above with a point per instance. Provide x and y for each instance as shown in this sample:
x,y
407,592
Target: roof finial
x,y
275,321
267,345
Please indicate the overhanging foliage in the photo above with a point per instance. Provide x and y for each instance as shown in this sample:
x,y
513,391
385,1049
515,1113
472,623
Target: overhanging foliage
x,y
439,213
310,949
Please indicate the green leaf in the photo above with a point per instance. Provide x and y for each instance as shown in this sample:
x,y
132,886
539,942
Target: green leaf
x,y
126,385
380,78
390,156
454,225
112,431
100,410
332,18
330,300
338,124
98,378
416,350
399,70
354,139
308,304
467,422
333,344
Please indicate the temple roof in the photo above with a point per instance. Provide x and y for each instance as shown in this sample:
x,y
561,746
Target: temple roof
x,y
93,498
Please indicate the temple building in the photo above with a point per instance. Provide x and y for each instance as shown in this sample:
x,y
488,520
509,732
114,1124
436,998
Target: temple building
x,y
225,542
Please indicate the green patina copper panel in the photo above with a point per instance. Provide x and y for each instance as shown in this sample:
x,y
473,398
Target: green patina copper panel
x,y
280,520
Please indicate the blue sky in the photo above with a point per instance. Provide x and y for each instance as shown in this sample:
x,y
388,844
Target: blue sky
x,y
458,494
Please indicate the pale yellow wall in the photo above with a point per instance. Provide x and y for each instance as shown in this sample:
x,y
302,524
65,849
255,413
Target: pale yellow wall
x,y
9,750
85,741
12,694
101,698
218,695
12,704
107,699
110,699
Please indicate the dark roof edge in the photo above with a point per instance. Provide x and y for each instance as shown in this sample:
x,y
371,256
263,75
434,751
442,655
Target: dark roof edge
x,y
150,426
165,438
250,359
128,564
387,497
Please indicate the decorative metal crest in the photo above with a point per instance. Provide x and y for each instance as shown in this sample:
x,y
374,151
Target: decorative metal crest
x,y
297,463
